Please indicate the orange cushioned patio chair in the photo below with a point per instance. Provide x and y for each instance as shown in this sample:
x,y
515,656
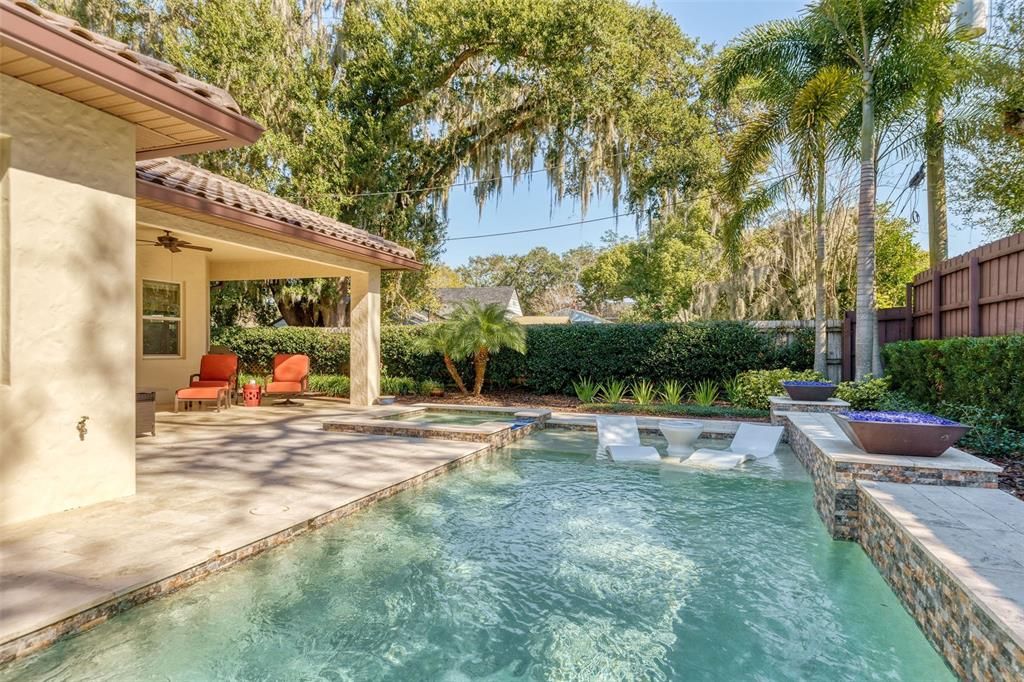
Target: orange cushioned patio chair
x,y
290,377
218,371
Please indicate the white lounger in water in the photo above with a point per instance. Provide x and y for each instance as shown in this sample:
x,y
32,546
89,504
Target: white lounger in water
x,y
620,438
750,442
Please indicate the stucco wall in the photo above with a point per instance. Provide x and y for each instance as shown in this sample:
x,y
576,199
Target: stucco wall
x,y
189,268
71,268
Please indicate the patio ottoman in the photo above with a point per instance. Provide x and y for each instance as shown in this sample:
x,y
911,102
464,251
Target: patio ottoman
x,y
202,394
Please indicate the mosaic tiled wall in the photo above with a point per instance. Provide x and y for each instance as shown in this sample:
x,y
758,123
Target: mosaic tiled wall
x,y
972,644
835,483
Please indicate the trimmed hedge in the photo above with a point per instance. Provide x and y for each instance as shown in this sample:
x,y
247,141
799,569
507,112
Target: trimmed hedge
x,y
983,372
556,355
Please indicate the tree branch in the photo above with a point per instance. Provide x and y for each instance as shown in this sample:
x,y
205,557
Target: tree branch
x,y
445,76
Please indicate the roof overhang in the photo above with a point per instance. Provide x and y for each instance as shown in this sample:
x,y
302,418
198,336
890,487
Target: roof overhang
x,y
171,120
200,208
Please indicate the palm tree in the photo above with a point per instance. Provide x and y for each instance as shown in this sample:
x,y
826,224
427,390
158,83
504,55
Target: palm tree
x,y
800,104
950,64
441,339
482,330
877,39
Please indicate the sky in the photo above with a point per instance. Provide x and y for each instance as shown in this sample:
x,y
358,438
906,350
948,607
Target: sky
x,y
530,204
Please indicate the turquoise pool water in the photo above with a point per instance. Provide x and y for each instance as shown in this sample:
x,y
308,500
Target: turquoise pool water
x,y
542,564
456,417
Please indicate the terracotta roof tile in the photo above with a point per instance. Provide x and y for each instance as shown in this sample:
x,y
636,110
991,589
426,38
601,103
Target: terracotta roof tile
x,y
185,177
168,72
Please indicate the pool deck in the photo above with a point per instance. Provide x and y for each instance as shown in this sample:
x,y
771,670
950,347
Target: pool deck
x,y
212,489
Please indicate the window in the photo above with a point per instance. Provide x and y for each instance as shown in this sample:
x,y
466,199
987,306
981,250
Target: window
x,y
161,318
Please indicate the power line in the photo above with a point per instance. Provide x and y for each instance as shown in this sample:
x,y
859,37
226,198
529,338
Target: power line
x,y
539,229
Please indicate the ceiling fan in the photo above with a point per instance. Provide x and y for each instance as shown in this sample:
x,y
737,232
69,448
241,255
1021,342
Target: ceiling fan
x,y
172,243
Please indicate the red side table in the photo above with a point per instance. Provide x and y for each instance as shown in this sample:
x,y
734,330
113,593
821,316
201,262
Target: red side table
x,y
251,394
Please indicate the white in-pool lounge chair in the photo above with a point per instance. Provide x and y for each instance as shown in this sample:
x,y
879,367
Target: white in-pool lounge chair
x,y
620,438
751,442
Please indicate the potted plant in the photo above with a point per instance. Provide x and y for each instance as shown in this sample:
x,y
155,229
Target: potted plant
x,y
913,434
818,391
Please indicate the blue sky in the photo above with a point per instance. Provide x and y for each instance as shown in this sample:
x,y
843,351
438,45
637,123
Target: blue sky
x,y
530,205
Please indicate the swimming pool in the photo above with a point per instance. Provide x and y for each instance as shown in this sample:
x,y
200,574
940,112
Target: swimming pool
x,y
540,563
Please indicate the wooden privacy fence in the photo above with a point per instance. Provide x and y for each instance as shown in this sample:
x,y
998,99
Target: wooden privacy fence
x,y
785,331
978,293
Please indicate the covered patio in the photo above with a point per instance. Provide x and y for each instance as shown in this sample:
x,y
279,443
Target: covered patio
x,y
250,235
212,489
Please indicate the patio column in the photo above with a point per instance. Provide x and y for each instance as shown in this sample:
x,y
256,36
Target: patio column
x,y
364,356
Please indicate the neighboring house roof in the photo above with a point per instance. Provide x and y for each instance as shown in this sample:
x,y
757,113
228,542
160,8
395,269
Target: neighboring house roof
x,y
173,112
451,297
185,186
542,319
579,317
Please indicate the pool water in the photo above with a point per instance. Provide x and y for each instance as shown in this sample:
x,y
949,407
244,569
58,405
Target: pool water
x,y
540,564
464,418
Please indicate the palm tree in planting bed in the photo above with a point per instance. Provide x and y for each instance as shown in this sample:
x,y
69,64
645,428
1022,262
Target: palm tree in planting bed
x,y
441,339
482,330
881,41
794,101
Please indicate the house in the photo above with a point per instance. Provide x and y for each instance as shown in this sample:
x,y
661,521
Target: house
x,y
108,246
533,320
579,317
453,297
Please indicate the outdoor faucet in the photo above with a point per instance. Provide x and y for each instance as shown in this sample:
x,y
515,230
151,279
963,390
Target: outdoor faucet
x,y
82,430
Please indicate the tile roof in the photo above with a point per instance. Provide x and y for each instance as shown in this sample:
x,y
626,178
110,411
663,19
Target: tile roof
x,y
198,182
216,96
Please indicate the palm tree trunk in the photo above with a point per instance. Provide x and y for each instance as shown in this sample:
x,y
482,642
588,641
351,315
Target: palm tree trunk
x,y
454,372
935,163
480,367
820,323
867,317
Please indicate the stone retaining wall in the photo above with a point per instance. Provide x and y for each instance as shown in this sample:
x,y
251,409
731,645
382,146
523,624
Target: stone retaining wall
x,y
835,482
973,645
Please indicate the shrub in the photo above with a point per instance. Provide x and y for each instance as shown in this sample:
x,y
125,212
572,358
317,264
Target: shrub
x,y
864,395
989,435
428,386
556,355
982,372
397,385
705,393
753,388
732,388
334,385
586,390
612,392
672,392
798,353
328,350
643,392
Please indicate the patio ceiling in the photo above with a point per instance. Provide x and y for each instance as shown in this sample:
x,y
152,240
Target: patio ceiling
x,y
239,258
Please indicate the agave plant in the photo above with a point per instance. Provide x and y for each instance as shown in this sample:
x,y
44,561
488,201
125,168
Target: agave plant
x,y
732,388
672,392
586,390
705,393
643,392
613,391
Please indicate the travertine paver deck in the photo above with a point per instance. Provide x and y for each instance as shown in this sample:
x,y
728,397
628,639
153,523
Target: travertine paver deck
x,y
208,483
970,542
